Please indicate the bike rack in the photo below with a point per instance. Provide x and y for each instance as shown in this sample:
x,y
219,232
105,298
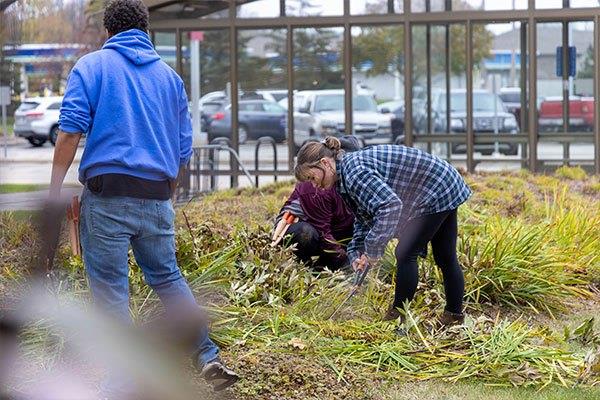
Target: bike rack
x,y
205,163
265,140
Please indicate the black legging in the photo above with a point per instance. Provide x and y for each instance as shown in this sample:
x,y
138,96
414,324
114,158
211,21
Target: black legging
x,y
440,229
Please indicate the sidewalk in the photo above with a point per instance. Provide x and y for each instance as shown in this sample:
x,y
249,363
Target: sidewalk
x,y
31,200
21,153
10,141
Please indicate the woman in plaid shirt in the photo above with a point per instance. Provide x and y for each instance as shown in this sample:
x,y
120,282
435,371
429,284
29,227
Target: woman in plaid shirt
x,y
395,192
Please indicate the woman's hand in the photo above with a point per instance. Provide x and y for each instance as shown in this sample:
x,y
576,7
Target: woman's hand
x,y
361,263
358,264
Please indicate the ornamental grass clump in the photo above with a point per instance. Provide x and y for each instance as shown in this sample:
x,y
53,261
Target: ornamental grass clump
x,y
513,264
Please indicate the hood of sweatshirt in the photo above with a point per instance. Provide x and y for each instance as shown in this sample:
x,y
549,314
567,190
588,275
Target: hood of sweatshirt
x,y
134,45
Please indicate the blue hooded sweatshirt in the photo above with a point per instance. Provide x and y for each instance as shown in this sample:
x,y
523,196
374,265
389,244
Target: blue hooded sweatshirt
x,y
133,108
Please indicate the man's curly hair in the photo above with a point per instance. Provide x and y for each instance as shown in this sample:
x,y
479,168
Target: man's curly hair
x,y
122,15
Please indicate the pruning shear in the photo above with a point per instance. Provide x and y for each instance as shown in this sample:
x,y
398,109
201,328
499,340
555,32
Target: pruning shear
x,y
359,278
282,227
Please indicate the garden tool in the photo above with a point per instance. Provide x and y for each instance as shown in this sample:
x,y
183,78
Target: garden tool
x,y
359,278
282,227
73,214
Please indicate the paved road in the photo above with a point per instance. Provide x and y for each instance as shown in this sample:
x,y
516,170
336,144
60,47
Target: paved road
x,y
31,200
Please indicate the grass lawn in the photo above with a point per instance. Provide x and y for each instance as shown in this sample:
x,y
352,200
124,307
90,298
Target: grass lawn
x,y
19,188
479,391
10,121
530,250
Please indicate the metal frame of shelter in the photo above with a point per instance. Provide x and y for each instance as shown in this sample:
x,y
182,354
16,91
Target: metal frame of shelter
x,y
183,21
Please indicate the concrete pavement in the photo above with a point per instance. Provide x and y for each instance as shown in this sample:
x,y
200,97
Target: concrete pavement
x,y
32,200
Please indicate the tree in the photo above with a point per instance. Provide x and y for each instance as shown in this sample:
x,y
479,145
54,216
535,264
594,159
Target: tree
x,y
379,50
9,72
586,71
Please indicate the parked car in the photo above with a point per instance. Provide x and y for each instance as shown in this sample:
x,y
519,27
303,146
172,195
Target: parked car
x,y
489,116
419,111
218,96
263,94
320,113
511,96
581,114
256,118
208,109
36,120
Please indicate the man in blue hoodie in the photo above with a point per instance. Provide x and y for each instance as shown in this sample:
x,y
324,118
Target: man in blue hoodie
x,y
134,111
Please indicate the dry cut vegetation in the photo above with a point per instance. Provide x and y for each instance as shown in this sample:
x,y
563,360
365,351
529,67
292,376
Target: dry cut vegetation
x,y
530,248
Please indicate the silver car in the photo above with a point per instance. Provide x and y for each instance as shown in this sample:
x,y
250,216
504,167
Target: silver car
x,y
36,120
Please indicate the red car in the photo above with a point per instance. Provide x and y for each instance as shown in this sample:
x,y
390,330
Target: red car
x,y
581,114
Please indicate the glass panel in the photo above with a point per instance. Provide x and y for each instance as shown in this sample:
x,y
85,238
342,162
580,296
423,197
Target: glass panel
x,y
430,85
360,7
581,89
214,63
378,75
584,3
398,6
497,95
164,42
549,90
546,4
189,9
418,6
318,80
489,5
458,82
258,9
302,8
435,5
262,70
419,79
432,119
438,5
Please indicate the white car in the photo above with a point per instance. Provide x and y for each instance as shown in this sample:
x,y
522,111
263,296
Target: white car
x,y
262,94
36,120
320,113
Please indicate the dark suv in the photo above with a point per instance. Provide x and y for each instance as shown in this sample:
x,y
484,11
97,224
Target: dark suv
x,y
489,116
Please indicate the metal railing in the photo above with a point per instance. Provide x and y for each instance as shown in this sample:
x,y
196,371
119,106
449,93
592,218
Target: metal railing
x,y
203,170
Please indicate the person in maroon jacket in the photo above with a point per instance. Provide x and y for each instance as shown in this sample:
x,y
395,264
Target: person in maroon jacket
x,y
325,223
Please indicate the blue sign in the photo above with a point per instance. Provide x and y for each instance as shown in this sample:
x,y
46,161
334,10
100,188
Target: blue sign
x,y
572,61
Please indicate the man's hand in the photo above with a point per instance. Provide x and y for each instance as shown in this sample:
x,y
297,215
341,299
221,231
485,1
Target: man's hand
x,y
64,152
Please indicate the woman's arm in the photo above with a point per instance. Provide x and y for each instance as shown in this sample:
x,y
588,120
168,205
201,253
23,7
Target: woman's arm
x,y
380,202
356,247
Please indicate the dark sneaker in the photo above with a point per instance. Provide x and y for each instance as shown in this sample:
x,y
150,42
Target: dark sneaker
x,y
392,314
218,375
449,318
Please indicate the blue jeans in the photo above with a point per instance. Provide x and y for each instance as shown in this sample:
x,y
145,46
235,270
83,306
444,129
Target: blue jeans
x,y
109,225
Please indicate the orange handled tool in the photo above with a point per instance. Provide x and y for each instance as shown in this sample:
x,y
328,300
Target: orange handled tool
x,y
282,227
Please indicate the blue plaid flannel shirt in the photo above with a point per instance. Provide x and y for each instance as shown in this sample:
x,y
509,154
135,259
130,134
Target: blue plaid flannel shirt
x,y
388,185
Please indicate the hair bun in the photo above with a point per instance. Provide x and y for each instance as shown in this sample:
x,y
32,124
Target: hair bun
x,y
333,143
